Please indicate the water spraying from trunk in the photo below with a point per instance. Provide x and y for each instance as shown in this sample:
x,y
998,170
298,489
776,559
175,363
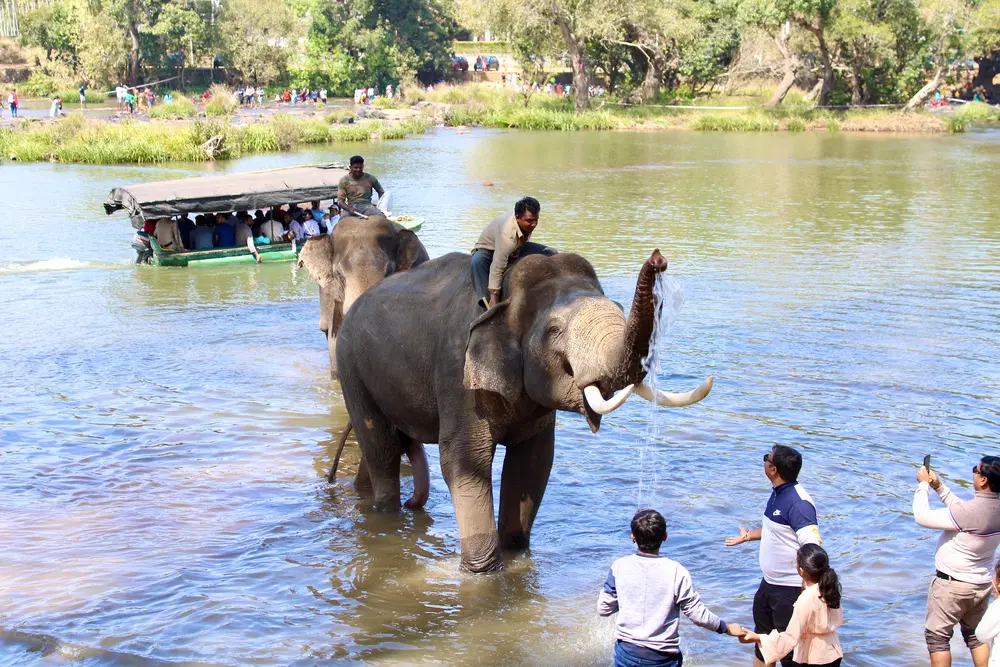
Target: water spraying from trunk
x,y
668,297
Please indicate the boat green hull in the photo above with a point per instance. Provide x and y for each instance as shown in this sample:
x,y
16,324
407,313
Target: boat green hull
x,y
276,252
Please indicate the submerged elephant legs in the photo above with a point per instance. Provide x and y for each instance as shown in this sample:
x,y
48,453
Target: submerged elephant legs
x,y
526,469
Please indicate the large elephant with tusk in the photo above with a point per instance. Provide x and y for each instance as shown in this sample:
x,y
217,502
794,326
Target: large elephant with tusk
x,y
421,362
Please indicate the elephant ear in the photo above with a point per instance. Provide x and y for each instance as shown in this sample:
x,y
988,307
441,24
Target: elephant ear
x,y
411,252
317,257
493,355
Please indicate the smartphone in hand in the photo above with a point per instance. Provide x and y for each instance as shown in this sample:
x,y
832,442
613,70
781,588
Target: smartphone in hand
x,y
927,462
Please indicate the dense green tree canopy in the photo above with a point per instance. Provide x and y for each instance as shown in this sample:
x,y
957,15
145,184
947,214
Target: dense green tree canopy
x,y
846,51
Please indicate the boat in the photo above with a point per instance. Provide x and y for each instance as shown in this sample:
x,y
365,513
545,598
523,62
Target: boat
x,y
231,192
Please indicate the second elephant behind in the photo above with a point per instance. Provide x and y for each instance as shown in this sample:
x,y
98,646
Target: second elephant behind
x,y
350,260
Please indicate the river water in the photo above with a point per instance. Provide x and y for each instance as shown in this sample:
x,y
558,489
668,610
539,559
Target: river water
x,y
165,431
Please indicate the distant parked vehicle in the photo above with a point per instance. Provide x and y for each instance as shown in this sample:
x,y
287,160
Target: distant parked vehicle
x,y
492,63
458,63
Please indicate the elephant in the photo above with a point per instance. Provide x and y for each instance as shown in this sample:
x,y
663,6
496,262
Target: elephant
x,y
356,255
421,362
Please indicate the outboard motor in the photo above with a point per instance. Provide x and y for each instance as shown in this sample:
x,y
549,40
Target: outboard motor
x,y
143,250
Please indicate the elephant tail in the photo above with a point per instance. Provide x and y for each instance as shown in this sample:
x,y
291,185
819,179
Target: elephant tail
x,y
340,449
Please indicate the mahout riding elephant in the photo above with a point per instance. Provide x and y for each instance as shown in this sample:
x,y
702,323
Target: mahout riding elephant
x,y
354,257
421,362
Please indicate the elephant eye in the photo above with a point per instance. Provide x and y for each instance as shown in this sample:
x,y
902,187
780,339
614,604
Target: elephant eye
x,y
553,331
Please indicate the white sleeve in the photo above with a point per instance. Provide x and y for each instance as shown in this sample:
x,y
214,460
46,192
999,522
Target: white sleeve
x,y
923,514
989,627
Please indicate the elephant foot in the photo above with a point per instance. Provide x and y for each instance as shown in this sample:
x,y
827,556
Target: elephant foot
x,y
421,475
481,554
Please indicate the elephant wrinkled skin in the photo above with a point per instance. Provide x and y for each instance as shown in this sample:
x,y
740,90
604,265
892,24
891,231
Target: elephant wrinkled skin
x,y
354,257
420,361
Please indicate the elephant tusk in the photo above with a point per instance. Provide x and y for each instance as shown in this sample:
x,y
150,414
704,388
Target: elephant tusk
x,y
670,400
601,406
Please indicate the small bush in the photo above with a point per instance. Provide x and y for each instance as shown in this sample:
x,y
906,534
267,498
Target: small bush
x,y
956,124
832,125
976,112
72,96
180,107
744,122
37,85
220,102
286,131
795,125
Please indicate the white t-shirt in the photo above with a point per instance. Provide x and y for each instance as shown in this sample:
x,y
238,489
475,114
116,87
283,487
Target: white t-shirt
x,y
297,229
311,227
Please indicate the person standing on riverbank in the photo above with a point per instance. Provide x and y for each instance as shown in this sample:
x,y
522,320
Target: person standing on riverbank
x,y
503,242
12,102
960,590
649,591
83,96
789,522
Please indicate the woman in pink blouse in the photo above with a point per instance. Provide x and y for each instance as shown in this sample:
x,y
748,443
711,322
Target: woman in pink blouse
x,y
811,635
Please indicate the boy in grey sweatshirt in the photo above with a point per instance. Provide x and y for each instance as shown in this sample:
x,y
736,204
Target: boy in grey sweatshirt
x,y
649,591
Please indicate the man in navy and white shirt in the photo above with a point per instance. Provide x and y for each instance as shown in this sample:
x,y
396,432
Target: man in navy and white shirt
x,y
789,522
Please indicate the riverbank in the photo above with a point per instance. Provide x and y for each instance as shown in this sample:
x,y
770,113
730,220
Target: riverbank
x,y
490,106
179,132
80,140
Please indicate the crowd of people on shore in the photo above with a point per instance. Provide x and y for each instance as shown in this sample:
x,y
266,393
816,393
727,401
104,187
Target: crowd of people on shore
x,y
797,607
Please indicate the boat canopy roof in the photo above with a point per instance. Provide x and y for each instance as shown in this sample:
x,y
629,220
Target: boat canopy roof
x,y
229,192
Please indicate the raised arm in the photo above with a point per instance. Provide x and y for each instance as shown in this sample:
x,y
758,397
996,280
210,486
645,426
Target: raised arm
x,y
939,519
607,601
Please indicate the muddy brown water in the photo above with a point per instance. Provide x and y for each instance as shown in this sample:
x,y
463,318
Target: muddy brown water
x,y
165,432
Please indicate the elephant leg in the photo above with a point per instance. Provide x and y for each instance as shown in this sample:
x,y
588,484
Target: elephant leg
x,y
421,475
526,469
467,470
362,480
380,455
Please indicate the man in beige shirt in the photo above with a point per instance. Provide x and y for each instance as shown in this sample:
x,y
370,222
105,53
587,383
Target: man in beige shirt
x,y
503,242
168,235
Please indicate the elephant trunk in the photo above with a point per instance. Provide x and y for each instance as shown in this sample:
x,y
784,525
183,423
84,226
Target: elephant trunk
x,y
639,328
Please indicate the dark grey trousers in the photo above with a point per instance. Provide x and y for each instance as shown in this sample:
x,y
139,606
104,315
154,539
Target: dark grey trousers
x,y
483,259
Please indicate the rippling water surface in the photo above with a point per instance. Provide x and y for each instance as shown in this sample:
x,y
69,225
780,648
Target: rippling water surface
x,y
165,431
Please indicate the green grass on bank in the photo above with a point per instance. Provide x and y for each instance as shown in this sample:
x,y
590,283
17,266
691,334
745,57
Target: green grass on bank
x,y
78,140
487,105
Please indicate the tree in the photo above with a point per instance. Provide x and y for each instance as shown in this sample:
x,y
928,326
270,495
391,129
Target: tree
x,y
361,43
257,37
576,21
948,23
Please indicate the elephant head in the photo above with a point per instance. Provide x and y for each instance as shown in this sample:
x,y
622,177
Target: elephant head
x,y
350,260
559,342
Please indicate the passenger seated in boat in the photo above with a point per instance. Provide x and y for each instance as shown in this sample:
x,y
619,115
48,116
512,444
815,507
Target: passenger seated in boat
x,y
202,236
258,220
225,232
311,227
297,230
244,229
185,225
274,230
167,235
317,211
